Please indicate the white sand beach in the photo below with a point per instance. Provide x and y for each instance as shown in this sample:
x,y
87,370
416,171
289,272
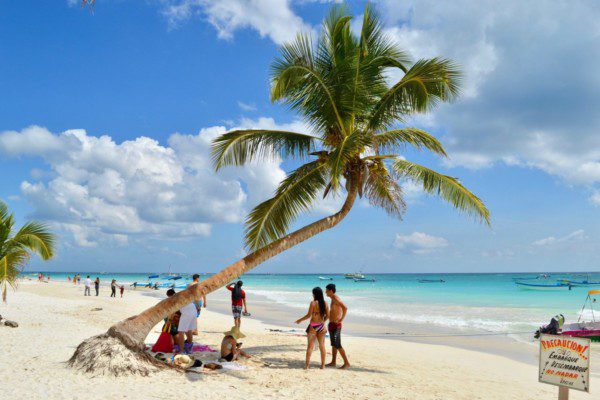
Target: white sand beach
x,y
54,318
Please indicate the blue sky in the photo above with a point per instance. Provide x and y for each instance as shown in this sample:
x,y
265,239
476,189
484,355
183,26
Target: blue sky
x,y
106,119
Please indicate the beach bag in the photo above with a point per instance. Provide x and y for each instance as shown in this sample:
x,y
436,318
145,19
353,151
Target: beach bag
x,y
163,344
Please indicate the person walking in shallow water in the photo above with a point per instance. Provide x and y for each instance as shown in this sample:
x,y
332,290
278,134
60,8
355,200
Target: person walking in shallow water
x,y
318,312
336,316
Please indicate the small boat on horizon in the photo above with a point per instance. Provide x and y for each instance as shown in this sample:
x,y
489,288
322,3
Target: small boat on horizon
x,y
543,286
325,278
431,281
356,275
363,279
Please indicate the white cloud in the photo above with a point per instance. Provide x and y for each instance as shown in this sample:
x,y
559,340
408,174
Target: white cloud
x,y
595,198
246,106
98,190
551,240
274,19
530,86
420,243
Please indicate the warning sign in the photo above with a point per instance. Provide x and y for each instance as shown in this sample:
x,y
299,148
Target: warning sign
x,y
565,361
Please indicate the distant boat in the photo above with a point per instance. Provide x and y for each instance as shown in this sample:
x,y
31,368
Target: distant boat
x,y
363,279
543,286
431,281
153,276
356,275
585,282
325,278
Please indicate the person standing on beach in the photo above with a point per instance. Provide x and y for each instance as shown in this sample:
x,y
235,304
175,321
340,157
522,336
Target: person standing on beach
x,y
199,303
318,313
97,286
238,299
88,286
336,316
113,288
122,289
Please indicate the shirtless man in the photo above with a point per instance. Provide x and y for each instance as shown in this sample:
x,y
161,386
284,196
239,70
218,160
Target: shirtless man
x,y
336,316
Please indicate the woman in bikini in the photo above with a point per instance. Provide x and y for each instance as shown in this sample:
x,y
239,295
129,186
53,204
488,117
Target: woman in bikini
x,y
318,312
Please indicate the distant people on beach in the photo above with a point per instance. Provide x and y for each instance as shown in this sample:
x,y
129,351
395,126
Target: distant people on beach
x,y
121,289
113,288
78,279
231,349
97,285
88,286
69,278
337,314
238,302
318,313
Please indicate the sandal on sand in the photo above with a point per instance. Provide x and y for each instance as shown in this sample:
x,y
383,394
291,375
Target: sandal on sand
x,y
213,366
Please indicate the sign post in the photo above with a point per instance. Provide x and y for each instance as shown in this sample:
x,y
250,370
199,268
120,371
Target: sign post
x,y
565,362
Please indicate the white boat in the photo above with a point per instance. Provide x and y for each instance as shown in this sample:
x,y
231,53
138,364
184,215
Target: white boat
x,y
356,275
325,278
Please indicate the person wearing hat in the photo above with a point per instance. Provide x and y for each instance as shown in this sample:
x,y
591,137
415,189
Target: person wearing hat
x,y
230,347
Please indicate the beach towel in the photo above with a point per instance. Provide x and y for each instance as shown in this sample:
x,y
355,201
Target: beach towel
x,y
163,344
199,348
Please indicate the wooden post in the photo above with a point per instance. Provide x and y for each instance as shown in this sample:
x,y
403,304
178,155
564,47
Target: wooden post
x,y
563,393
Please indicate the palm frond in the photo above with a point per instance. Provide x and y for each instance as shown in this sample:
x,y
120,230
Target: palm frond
x,y
296,81
271,219
391,140
4,214
350,148
425,84
383,191
447,187
237,147
36,237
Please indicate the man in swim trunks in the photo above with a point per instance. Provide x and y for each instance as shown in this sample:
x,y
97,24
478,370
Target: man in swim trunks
x,y
336,316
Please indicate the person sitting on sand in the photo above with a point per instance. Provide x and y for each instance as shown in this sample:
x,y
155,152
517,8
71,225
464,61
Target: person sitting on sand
x,y
230,348
172,321
238,299
318,312
336,316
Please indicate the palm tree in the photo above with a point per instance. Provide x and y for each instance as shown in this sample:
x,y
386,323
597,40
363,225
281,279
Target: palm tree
x,y
15,248
339,85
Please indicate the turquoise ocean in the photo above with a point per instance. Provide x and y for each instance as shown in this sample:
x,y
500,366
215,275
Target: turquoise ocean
x,y
465,302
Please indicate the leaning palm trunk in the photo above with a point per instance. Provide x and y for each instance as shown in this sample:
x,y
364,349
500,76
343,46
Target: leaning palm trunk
x,y
120,350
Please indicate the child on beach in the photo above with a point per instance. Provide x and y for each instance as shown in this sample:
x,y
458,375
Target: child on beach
x,y
336,316
238,299
318,312
122,289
